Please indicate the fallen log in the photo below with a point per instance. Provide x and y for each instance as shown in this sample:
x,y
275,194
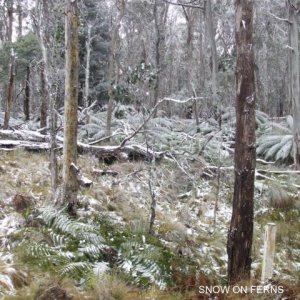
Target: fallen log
x,y
23,135
33,141
98,172
26,145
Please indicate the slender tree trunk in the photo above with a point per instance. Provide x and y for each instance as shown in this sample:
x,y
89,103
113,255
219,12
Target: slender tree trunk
x,y
70,184
290,76
27,95
87,66
213,48
113,69
44,97
10,90
202,73
295,85
44,38
9,26
157,54
241,228
48,98
20,19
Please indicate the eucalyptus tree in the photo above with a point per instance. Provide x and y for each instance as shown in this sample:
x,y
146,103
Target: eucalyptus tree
x,y
70,183
240,234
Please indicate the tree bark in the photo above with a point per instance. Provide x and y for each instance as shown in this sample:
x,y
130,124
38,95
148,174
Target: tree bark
x,y
10,90
241,228
295,85
27,95
70,184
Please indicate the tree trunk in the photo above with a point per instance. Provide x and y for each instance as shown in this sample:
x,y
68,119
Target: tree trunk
x,y
47,97
295,86
70,184
241,228
10,90
27,95
213,49
157,54
87,66
113,69
44,97
9,26
20,19
160,18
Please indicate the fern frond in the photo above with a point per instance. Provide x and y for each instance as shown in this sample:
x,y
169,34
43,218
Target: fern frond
x,y
60,221
280,128
265,142
59,240
76,268
100,268
142,269
93,251
140,260
286,150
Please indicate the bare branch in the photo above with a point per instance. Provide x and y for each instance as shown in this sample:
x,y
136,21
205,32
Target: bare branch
x,y
280,19
184,4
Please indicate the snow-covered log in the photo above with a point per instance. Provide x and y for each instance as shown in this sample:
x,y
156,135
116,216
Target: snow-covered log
x,y
26,145
30,140
23,135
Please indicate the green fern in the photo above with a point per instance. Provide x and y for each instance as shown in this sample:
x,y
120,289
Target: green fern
x,y
74,248
81,267
61,222
277,141
142,262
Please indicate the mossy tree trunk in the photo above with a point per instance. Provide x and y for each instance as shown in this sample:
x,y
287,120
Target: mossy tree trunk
x,y
241,228
70,184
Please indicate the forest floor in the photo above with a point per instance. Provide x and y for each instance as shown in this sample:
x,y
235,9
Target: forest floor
x,y
188,246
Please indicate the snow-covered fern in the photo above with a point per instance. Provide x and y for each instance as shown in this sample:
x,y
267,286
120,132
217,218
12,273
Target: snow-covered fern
x,y
276,143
